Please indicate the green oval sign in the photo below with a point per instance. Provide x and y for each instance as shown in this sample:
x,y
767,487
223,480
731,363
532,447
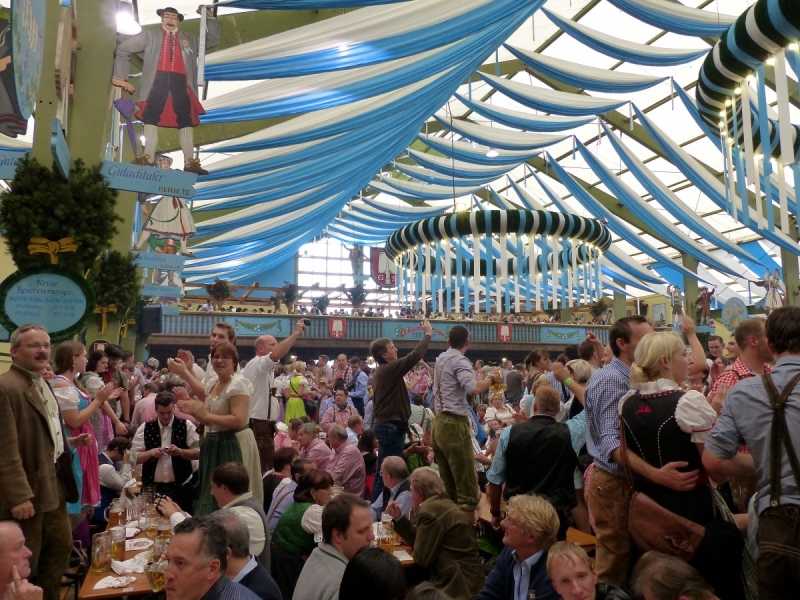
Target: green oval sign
x,y
47,296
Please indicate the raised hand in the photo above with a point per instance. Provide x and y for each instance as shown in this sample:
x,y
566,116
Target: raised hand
x,y
22,589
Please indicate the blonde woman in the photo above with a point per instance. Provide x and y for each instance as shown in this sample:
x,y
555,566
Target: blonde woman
x,y
666,426
295,392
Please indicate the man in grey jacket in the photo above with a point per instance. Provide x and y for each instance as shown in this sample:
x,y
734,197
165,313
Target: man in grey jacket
x,y
346,529
167,94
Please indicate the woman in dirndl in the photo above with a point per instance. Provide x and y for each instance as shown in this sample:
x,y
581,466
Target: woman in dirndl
x,y
224,411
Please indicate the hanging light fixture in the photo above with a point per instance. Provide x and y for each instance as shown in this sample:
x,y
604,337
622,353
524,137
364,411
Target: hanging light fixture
x,y
126,19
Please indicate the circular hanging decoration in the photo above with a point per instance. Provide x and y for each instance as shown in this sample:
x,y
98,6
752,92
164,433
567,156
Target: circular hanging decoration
x,y
764,30
495,258
521,221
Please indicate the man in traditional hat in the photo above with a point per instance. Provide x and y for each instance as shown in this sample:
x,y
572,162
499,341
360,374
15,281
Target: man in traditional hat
x,y
167,95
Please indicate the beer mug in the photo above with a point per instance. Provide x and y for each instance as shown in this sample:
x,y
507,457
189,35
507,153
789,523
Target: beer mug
x,y
101,552
156,574
115,513
118,543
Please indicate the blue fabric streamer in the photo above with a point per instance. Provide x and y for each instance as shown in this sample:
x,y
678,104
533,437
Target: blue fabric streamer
x,y
695,22
370,52
585,77
623,50
523,120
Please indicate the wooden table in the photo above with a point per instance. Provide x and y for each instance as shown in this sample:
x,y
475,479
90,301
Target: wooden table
x,y
139,587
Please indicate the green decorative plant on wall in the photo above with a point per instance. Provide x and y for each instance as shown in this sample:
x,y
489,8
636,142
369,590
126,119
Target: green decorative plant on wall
x,y
49,220
116,287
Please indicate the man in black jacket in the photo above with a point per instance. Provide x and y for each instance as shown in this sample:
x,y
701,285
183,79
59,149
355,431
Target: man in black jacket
x,y
242,566
392,406
535,457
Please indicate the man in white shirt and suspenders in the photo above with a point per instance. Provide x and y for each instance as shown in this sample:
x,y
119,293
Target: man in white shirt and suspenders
x,y
264,407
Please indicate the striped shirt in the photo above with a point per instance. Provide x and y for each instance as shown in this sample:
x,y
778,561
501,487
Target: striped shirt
x,y
603,394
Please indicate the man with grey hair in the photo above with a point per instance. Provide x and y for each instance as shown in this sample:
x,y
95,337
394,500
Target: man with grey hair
x,y
36,477
312,448
264,407
441,535
14,565
347,467
242,567
197,560
396,487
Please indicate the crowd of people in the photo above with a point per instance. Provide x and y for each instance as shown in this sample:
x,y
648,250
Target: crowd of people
x,y
678,459
377,312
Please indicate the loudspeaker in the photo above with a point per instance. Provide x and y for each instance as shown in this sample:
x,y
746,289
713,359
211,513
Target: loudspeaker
x,y
150,319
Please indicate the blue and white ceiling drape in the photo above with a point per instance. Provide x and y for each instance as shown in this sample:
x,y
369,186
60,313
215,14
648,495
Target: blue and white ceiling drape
x,y
321,183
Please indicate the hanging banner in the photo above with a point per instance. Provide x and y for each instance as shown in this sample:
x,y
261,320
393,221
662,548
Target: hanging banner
x,y
565,336
12,122
383,270
55,299
27,51
734,311
397,330
337,328
255,326
148,180
9,160
504,332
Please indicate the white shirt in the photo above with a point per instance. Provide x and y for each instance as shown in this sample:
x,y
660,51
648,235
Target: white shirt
x,y
260,372
111,478
248,516
253,521
164,472
53,416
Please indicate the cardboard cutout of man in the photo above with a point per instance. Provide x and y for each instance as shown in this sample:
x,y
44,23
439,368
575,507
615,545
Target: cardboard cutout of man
x,y
167,94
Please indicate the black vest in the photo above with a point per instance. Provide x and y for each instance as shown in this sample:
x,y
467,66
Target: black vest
x,y
540,460
651,431
181,467
387,492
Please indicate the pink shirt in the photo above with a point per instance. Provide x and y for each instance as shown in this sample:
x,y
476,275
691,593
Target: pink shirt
x,y
319,453
347,468
337,416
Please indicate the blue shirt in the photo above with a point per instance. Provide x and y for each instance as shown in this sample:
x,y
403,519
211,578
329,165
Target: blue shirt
x,y
605,389
497,472
522,574
747,419
360,386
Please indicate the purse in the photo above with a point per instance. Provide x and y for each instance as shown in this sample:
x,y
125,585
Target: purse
x,y
653,527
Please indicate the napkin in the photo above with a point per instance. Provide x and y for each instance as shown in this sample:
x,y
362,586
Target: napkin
x,y
137,544
402,555
114,582
132,565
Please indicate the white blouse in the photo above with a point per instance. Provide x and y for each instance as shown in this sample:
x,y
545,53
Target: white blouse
x,y
693,414
220,404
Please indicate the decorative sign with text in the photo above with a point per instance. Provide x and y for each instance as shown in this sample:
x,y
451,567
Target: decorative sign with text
x,y
562,336
255,326
148,180
48,296
412,330
8,163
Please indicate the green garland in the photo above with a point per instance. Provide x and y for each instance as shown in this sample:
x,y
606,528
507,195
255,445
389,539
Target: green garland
x,y
116,283
42,204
